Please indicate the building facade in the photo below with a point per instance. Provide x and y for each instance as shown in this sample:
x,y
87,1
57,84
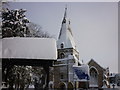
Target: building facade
x,y
96,74
68,56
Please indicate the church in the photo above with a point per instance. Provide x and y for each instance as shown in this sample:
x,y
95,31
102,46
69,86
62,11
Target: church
x,y
62,73
68,55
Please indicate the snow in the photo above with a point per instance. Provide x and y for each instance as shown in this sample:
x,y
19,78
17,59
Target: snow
x,y
79,61
68,58
92,85
31,86
81,73
29,48
66,36
61,65
104,86
112,75
83,67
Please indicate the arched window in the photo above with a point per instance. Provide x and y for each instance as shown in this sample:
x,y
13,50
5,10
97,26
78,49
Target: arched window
x,y
62,86
62,45
62,55
93,77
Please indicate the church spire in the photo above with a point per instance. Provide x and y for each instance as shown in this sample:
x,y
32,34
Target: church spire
x,y
65,15
66,37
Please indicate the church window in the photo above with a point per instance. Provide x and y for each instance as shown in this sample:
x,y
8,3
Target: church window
x,y
62,45
62,55
93,77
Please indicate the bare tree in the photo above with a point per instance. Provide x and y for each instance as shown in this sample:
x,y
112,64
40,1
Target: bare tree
x,y
14,24
35,30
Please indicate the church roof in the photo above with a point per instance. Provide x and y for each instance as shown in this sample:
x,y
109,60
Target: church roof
x,y
66,36
93,62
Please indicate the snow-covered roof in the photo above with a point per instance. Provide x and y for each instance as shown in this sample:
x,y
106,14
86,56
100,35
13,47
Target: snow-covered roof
x,y
29,48
92,60
112,75
81,72
66,36
79,61
92,85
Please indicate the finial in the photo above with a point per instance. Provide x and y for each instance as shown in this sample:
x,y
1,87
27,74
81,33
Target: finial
x,y
66,7
65,15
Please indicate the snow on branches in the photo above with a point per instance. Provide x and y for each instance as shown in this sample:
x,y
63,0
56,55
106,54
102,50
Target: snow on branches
x,y
14,23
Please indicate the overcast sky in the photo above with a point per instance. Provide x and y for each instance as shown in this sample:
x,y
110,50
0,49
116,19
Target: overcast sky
x,y
94,26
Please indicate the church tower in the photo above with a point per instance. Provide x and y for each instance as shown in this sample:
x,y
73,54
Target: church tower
x,y
68,55
65,44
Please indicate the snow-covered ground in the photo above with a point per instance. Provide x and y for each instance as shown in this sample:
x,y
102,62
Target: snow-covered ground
x,y
29,48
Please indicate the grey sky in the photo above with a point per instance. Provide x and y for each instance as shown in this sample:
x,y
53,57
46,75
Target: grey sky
x,y
94,26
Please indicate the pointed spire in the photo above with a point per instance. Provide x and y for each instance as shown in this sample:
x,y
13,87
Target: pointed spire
x,y
65,15
66,35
